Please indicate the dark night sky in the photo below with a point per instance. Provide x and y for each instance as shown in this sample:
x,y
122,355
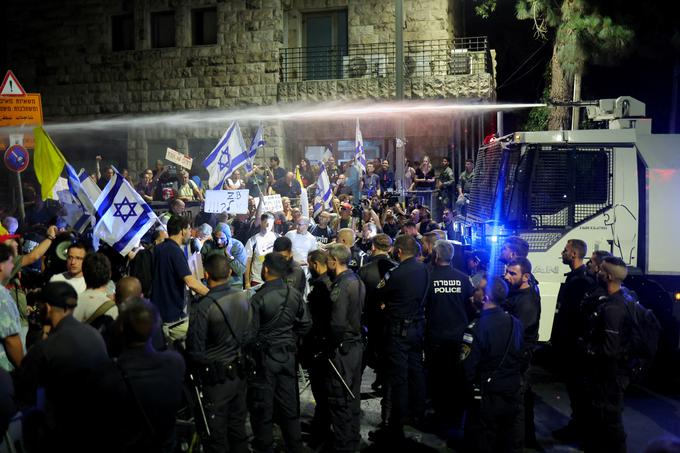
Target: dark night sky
x,y
646,73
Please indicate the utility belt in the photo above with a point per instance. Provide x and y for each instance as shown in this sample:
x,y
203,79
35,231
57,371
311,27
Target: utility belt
x,y
399,326
262,349
219,372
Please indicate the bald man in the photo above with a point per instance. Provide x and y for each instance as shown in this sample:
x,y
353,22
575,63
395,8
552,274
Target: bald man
x,y
347,237
128,288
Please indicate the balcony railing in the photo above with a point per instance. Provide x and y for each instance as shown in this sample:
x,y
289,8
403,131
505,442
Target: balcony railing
x,y
434,58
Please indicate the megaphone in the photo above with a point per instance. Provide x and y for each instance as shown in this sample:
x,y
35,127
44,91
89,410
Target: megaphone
x,y
61,249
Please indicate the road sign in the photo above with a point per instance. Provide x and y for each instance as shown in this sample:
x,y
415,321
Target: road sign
x,y
21,110
11,86
16,158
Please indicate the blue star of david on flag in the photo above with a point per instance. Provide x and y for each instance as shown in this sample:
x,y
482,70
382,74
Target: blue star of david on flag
x,y
225,159
229,154
119,209
123,216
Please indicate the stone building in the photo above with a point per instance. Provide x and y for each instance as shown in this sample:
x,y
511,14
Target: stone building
x,y
141,60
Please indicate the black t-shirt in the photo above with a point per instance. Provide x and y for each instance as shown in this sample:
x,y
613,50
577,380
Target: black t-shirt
x,y
428,175
167,288
323,235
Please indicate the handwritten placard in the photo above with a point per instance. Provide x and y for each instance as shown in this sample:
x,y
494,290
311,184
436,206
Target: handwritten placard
x,y
178,158
272,203
229,201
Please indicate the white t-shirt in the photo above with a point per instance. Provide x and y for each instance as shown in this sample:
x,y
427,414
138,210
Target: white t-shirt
x,y
302,245
78,283
256,248
89,301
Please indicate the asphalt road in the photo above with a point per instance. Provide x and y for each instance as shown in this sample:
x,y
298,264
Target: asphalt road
x,y
647,415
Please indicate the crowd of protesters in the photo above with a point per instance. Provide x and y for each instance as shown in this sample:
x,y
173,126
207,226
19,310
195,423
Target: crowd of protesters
x,y
227,306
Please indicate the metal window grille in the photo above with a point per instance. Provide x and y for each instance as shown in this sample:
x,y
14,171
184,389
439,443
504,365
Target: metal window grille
x,y
421,59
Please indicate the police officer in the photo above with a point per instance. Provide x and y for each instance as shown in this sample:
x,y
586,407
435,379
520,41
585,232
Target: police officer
x,y
313,345
606,379
218,323
371,274
491,356
347,237
405,289
295,276
280,317
446,316
565,334
343,372
524,303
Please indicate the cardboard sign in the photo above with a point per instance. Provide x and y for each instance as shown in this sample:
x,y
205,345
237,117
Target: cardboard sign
x,y
272,203
229,201
178,158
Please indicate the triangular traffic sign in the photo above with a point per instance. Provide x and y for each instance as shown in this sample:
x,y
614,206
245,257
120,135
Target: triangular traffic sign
x,y
11,86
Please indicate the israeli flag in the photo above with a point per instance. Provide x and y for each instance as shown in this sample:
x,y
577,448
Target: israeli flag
x,y
359,154
324,193
85,192
258,142
229,154
123,215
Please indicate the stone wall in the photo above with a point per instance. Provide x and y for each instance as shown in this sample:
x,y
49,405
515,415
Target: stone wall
x,y
372,21
63,51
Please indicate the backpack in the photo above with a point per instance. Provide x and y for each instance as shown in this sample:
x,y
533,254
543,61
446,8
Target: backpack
x,y
645,332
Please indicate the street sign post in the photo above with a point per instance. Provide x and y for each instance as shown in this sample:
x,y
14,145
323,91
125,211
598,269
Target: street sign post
x,y
18,109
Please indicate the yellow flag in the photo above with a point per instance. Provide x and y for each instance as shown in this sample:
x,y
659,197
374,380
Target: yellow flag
x,y
299,177
48,162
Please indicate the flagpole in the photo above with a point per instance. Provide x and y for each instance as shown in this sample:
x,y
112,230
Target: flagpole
x,y
252,165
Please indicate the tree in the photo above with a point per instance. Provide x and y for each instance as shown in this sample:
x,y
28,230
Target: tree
x,y
580,32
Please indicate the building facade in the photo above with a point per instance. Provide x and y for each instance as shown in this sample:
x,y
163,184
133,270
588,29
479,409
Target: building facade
x,y
139,60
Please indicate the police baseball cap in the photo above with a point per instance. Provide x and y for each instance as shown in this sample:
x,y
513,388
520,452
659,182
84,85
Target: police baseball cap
x,y
60,294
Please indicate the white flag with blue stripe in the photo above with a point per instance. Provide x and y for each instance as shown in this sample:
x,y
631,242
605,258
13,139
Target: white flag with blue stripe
x,y
85,192
258,142
229,154
123,215
359,154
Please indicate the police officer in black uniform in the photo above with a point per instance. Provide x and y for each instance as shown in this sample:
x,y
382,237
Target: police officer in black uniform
x,y
565,334
605,372
280,317
524,303
218,323
446,316
405,289
491,355
318,303
345,346
374,312
295,276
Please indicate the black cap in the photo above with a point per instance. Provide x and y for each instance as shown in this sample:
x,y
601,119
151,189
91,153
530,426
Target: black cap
x,y
60,294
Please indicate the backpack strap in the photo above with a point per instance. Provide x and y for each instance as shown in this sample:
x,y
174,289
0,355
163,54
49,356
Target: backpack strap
x,y
103,308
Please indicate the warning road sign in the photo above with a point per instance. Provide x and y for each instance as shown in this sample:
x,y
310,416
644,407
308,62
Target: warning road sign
x,y
21,110
11,86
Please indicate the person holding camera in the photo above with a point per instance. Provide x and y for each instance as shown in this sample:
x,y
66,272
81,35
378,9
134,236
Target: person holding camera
x,y
218,323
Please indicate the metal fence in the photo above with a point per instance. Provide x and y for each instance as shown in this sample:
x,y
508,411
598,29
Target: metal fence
x,y
431,58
